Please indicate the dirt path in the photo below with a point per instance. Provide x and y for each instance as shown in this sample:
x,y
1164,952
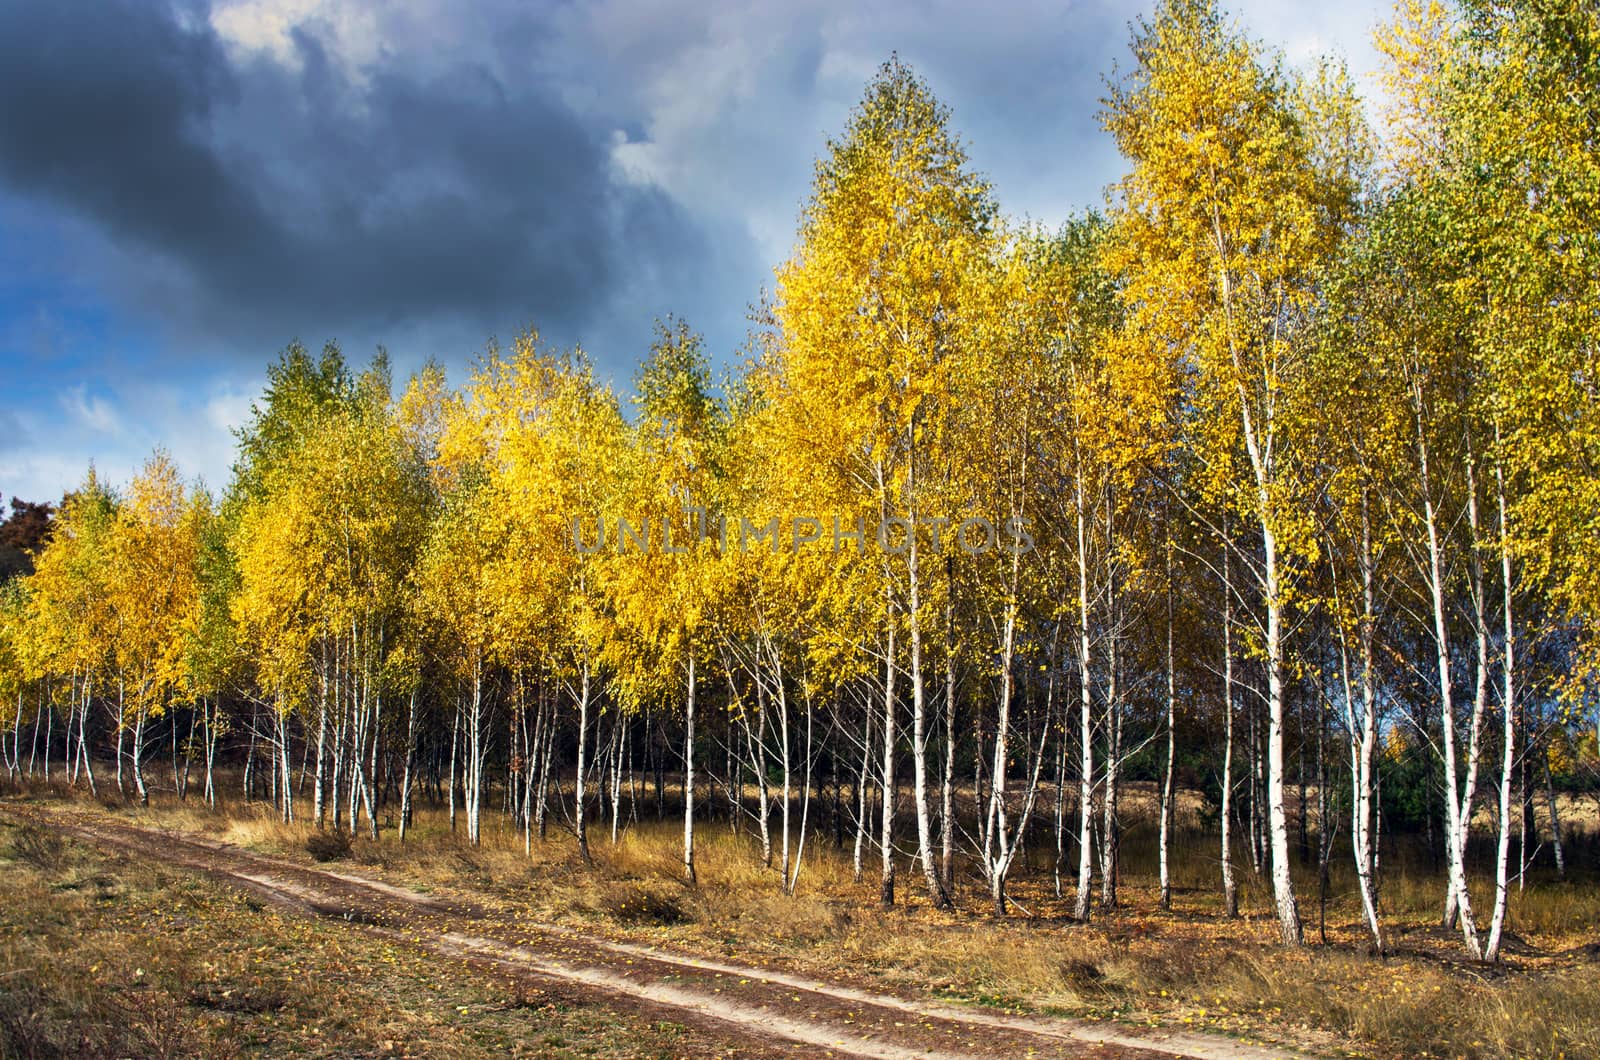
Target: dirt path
x,y
757,1011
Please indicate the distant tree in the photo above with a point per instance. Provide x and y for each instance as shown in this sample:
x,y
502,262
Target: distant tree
x,y
23,535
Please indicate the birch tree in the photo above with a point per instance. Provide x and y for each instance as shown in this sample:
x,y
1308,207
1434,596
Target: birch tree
x,y
879,313
1224,220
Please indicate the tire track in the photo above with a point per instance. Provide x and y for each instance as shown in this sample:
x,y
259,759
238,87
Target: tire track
x,y
757,1004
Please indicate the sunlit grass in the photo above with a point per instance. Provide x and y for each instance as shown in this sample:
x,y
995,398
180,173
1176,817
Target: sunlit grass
x,y
1188,968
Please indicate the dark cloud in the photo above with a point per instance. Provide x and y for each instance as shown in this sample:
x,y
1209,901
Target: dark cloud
x,y
257,199
174,207
429,173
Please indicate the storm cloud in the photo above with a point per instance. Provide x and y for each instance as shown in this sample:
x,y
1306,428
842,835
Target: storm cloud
x,y
255,196
187,185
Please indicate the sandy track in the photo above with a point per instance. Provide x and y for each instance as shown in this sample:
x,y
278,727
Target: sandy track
x,y
756,1010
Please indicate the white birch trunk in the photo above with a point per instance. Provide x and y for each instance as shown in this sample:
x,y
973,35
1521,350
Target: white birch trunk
x,y
579,829
1085,724
688,778
1230,890
886,843
919,738
1454,826
1172,703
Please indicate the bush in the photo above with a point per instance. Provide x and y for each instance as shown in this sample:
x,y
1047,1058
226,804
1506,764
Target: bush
x,y
638,904
39,847
328,846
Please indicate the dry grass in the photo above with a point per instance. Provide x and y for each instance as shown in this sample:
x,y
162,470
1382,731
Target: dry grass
x,y
104,957
1137,963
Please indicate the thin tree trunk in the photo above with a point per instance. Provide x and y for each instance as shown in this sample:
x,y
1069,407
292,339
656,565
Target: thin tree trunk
x,y
541,807
1230,890
783,736
405,780
1085,722
919,743
1508,669
617,731
758,759
286,771
531,765
947,806
83,739
33,744
320,775
996,836
188,758
450,783
14,763
1363,738
373,758
250,751
1060,807
1555,819
1278,827
688,777
212,710
1111,825
1324,833
805,809
1455,827
578,827
862,826
886,844
1172,702
121,729
138,757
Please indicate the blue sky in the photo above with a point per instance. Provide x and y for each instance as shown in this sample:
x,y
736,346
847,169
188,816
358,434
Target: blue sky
x,y
186,187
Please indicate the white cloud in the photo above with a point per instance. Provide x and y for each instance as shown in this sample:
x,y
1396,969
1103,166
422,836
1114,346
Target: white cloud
x,y
1307,32
91,410
118,432
40,475
266,27
733,102
228,408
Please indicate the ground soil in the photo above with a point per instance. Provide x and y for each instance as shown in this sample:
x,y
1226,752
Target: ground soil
x,y
744,1008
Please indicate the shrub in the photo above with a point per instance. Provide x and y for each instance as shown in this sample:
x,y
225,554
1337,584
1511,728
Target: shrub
x,y
39,847
328,846
639,904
